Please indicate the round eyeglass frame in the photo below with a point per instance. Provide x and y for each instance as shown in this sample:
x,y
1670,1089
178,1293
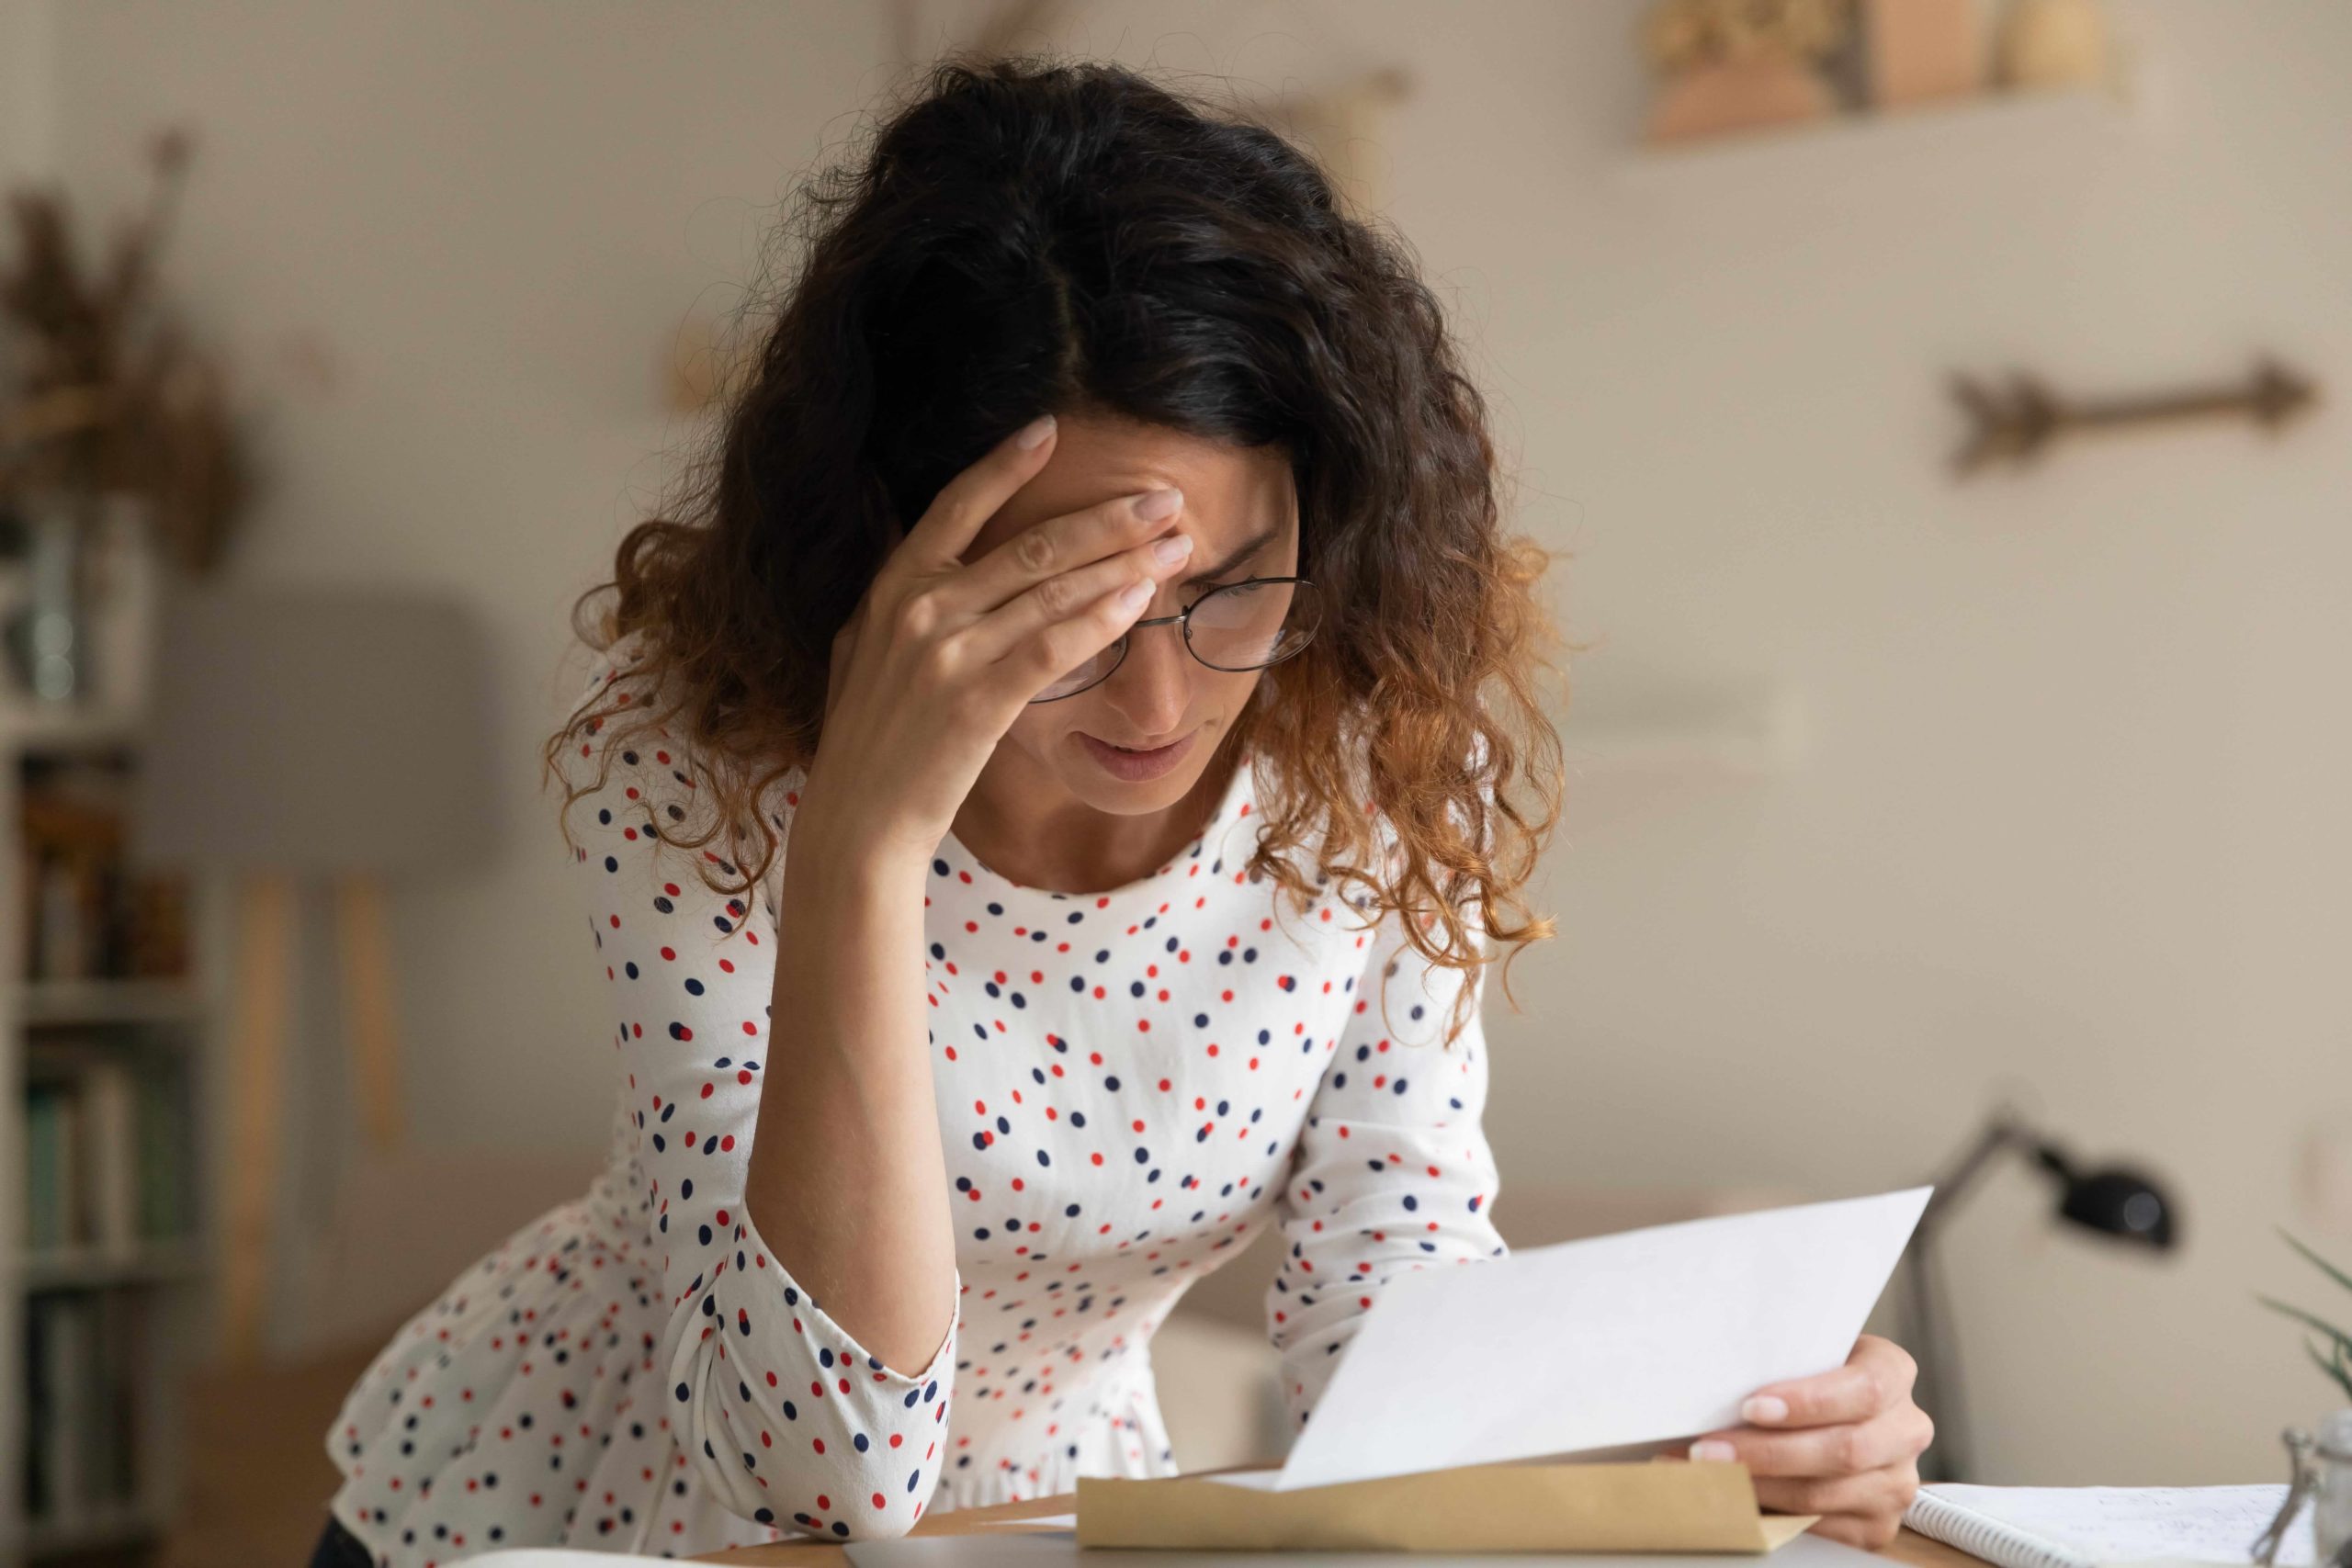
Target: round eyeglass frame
x,y
1185,615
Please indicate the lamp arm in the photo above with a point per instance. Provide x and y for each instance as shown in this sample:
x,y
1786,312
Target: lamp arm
x,y
1937,1390
2005,1131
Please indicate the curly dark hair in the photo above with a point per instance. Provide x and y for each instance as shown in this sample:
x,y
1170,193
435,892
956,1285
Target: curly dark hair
x,y
1029,235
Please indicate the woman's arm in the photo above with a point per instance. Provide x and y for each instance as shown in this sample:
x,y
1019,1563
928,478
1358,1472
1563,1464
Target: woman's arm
x,y
785,1415
1392,1171
847,1176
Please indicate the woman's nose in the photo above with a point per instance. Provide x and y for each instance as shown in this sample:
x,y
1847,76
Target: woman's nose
x,y
1156,677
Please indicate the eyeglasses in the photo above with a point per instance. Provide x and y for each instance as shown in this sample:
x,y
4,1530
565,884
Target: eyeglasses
x,y
1241,626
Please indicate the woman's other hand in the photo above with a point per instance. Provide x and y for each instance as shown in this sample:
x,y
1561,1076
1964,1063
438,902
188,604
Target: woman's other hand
x,y
1844,1445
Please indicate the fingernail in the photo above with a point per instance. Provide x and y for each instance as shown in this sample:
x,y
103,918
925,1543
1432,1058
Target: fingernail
x,y
1158,504
1765,1407
1036,429
1173,548
1713,1449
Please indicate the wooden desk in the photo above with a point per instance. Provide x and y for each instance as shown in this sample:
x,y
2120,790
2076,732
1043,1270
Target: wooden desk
x,y
1910,1547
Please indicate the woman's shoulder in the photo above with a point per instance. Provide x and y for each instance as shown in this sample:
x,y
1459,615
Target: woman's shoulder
x,y
606,743
615,682
623,739
621,668
624,677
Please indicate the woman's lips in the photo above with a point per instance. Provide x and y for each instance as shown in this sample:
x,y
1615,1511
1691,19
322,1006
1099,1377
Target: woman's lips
x,y
1134,766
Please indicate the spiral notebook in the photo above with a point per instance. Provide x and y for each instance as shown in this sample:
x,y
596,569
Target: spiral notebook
x,y
2092,1527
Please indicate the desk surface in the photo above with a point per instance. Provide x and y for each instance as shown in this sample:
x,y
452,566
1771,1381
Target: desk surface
x,y
1911,1548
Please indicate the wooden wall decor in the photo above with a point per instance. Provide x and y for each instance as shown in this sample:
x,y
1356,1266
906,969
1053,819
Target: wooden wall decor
x,y
1725,66
2017,423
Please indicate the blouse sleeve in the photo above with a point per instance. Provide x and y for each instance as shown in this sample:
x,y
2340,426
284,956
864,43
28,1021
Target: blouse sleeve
x,y
1391,1170
787,1419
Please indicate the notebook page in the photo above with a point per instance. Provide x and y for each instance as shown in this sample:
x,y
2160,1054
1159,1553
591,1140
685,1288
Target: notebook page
x,y
2055,1527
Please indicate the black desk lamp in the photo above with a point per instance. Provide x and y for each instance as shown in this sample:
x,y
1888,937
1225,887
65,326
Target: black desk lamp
x,y
2114,1201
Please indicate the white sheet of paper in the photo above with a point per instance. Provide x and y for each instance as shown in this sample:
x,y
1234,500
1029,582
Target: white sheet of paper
x,y
1616,1340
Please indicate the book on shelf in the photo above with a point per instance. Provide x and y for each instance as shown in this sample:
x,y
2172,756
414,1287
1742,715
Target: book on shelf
x,y
163,1158
106,1156
85,1355
49,1131
88,915
114,1144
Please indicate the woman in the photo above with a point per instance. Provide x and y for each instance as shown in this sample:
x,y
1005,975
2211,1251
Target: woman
x,y
1073,727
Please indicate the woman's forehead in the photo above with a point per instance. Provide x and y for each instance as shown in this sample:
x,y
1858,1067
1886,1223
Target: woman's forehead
x,y
1229,491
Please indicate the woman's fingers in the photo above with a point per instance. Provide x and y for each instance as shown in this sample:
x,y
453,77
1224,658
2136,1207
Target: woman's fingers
x,y
1038,660
1066,546
1067,644
1877,1376
963,504
1872,1491
1864,1510
1888,1438
1870,1532
1057,617
1845,1444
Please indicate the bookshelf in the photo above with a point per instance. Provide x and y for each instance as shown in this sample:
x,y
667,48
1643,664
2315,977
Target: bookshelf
x,y
105,1251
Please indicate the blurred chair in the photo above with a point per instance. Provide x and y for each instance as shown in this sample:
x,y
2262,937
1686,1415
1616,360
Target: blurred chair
x,y
300,738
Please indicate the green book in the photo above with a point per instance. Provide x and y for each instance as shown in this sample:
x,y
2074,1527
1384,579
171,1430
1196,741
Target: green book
x,y
163,1192
44,1182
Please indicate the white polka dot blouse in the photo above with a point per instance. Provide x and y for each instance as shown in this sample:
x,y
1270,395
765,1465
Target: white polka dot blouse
x,y
1129,1085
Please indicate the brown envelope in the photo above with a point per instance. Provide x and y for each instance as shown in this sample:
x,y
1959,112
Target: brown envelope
x,y
1562,1506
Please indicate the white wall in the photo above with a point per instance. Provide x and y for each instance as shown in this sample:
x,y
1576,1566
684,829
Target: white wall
x,y
2071,815
28,78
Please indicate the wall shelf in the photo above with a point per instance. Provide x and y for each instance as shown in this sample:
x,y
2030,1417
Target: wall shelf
x,y
95,1529
33,729
67,1268
2018,122
106,1001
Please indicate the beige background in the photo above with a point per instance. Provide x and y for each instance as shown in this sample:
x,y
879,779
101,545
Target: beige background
x,y
2068,815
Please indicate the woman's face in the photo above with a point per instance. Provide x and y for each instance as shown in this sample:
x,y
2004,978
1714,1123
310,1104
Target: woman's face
x,y
1240,511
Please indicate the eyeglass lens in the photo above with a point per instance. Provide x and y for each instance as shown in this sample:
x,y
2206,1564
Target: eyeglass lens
x,y
1245,626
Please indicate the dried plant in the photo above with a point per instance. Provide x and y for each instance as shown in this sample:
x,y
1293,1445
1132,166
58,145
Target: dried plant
x,y
108,394
2333,1349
